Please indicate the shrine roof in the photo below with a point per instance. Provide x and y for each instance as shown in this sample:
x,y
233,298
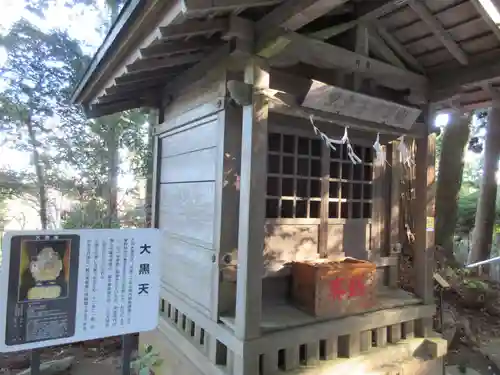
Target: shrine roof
x,y
439,49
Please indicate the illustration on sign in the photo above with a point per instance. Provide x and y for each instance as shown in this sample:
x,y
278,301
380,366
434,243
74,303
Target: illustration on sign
x,y
59,287
430,224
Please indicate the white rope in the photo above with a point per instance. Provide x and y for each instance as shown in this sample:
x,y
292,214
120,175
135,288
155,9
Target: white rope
x,y
404,153
380,154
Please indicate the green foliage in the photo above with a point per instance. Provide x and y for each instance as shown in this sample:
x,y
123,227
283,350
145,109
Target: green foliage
x,y
476,142
38,76
87,214
80,158
475,284
146,362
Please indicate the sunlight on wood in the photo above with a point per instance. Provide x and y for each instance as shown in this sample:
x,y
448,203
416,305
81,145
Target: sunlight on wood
x,y
491,9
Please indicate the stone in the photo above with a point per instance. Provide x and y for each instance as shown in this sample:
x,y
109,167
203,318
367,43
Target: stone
x,y
55,367
15,361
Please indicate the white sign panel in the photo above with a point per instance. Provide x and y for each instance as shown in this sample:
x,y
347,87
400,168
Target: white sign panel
x,y
58,287
333,99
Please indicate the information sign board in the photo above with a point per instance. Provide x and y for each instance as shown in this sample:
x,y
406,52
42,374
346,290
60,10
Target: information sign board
x,y
58,287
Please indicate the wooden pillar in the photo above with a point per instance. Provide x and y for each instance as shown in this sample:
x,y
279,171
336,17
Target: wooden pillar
x,y
252,214
325,193
394,247
227,207
425,173
155,180
363,49
379,206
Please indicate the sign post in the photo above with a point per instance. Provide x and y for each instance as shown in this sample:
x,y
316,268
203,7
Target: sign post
x,y
60,287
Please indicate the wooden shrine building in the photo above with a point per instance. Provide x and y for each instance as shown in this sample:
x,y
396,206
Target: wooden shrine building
x,y
248,92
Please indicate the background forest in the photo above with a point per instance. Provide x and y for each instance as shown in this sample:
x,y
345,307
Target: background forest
x,y
58,169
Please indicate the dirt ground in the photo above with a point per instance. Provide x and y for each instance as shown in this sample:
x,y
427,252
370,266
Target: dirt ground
x,y
472,358
92,357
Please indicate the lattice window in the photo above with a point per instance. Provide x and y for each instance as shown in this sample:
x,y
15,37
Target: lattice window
x,y
294,179
350,190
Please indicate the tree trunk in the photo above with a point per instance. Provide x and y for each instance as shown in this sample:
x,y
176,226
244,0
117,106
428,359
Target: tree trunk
x,y
40,177
451,166
113,171
148,204
485,213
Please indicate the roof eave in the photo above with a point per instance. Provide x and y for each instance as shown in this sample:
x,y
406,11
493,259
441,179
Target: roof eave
x,y
111,42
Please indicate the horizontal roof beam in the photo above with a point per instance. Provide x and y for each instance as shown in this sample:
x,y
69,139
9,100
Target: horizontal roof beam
x,y
447,82
293,14
132,78
133,87
159,63
161,48
104,109
324,55
192,28
202,7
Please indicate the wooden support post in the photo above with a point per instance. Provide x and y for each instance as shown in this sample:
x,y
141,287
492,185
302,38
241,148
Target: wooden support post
x,y
325,193
394,209
331,348
252,214
155,189
378,211
349,345
270,362
35,362
292,358
409,329
381,337
394,333
226,207
312,352
199,337
366,341
245,364
127,348
425,186
424,216
363,49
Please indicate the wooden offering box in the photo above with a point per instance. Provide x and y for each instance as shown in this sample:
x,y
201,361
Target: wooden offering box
x,y
334,288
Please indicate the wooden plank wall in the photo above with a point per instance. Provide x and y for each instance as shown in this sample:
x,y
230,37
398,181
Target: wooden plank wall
x,y
187,212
